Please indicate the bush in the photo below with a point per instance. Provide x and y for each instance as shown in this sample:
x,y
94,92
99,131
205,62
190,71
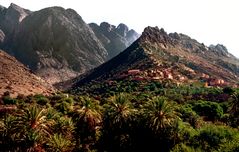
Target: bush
x,y
41,100
9,100
188,115
212,110
211,137
228,90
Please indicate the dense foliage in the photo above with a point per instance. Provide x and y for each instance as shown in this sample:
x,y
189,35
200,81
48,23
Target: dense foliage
x,y
150,117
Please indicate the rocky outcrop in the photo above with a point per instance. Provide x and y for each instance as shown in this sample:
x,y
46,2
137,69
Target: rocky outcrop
x,y
115,39
122,29
156,35
11,18
219,49
16,79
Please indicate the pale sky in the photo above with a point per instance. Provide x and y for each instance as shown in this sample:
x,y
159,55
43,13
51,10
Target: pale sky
x,y
208,21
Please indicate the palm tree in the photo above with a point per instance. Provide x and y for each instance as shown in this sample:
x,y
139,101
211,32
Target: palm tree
x,y
35,118
33,127
159,113
117,123
158,125
234,109
234,103
58,143
87,120
8,136
120,110
64,126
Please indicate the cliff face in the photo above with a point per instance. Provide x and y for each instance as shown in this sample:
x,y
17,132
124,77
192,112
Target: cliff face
x,y
115,39
10,18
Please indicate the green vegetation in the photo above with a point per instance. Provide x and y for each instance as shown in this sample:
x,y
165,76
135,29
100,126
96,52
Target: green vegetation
x,y
103,117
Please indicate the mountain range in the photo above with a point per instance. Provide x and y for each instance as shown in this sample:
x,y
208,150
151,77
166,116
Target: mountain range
x,y
56,44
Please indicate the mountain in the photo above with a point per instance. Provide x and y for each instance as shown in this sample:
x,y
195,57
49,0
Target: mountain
x,y
10,19
17,79
115,39
174,57
54,42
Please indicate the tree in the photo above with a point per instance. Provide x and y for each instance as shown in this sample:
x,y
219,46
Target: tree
x,y
87,119
234,103
64,126
234,109
58,143
8,135
33,127
116,129
120,110
160,113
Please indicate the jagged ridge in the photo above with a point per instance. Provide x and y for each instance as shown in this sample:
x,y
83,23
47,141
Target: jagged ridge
x,y
115,39
157,55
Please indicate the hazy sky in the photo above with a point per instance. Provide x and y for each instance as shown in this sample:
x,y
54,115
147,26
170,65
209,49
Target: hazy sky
x,y
208,21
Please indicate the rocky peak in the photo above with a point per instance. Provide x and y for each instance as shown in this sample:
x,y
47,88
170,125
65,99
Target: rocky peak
x,y
93,25
10,18
16,12
219,49
115,40
51,11
122,29
175,35
2,8
156,35
71,11
106,26
132,35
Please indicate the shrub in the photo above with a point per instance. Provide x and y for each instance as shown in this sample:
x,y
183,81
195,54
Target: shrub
x,y
9,100
212,110
41,100
211,137
228,90
188,115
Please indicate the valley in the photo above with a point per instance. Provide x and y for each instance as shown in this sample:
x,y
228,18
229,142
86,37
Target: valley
x,y
67,86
